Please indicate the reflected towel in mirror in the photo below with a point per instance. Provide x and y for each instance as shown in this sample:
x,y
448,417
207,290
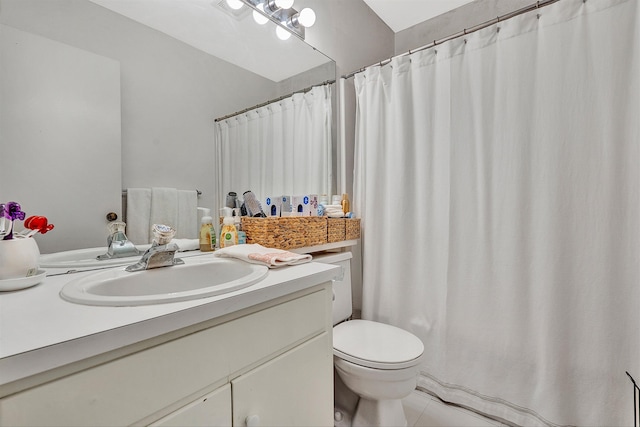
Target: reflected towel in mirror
x,y
169,206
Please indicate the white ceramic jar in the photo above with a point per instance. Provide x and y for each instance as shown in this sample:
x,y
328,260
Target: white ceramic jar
x,y
19,257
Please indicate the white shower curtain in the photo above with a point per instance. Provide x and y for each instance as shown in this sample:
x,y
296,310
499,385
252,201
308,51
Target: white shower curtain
x,y
497,178
283,148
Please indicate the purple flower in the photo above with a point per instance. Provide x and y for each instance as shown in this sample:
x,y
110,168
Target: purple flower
x,y
14,211
11,211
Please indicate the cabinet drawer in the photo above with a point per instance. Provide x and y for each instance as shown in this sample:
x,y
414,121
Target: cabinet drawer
x,y
129,389
214,409
293,390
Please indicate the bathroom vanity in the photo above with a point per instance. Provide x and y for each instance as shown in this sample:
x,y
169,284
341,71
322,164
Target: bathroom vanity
x,y
258,356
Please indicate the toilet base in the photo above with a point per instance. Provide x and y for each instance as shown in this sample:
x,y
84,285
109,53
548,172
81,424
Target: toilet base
x,y
379,413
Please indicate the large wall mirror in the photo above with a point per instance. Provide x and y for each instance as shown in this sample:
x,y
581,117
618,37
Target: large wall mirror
x,y
97,96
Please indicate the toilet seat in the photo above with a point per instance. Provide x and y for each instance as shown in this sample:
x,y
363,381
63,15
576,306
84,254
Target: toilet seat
x,y
376,345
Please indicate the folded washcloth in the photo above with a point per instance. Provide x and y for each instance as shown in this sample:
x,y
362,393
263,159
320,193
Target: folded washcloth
x,y
257,254
333,211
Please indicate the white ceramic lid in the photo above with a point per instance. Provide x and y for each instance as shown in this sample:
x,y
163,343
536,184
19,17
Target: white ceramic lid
x,y
376,345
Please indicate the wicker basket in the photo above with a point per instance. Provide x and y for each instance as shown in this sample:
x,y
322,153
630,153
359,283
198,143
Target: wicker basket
x,y
352,228
335,230
285,232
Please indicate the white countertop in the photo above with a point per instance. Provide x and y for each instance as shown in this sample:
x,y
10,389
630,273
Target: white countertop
x,y
41,331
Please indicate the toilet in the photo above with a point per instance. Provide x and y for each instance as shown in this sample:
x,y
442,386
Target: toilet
x,y
375,361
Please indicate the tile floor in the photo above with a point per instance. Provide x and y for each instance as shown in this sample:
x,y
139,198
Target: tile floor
x,y
424,410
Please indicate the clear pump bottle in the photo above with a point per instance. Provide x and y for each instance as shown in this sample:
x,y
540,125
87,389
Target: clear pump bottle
x,y
207,234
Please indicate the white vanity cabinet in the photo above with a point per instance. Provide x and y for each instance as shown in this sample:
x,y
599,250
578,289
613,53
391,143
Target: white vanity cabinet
x,y
286,391
271,364
213,409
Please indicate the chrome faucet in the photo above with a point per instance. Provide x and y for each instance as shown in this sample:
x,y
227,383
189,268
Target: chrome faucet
x,y
161,253
118,246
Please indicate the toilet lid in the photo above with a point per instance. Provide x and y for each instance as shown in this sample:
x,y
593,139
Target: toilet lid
x,y
376,345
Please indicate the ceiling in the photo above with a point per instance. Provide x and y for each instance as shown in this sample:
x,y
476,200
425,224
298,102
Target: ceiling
x,y
210,26
402,14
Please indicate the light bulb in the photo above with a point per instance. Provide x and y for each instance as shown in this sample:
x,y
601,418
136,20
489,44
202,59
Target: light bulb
x,y
282,33
307,17
258,17
284,4
235,4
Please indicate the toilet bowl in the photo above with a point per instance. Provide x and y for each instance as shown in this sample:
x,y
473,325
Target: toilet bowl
x,y
376,361
379,363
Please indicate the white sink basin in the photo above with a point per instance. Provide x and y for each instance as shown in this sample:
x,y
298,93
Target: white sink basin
x,y
81,258
198,278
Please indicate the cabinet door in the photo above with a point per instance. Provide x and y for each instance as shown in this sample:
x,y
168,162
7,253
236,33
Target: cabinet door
x,y
294,389
214,409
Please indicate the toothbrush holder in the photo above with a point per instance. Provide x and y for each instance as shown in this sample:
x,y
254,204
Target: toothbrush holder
x,y
19,257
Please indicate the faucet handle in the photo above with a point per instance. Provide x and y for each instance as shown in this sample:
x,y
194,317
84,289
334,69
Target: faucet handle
x,y
115,227
162,234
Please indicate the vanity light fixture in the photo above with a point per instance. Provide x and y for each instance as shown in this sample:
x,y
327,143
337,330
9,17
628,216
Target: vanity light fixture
x,y
282,33
284,15
284,4
258,16
273,6
230,7
235,4
306,17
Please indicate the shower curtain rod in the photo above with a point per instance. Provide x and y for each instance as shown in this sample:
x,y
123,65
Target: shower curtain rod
x,y
464,32
305,90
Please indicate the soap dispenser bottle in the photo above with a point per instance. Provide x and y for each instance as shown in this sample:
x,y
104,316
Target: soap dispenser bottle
x,y
237,221
207,233
229,233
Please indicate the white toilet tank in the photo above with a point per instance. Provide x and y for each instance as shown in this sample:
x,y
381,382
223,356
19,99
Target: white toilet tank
x,y
342,308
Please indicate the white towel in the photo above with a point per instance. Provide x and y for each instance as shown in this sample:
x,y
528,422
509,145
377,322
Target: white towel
x,y
257,254
138,210
187,227
185,245
164,208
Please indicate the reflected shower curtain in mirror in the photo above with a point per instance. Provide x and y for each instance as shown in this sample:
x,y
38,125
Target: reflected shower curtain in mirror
x,y
283,148
497,178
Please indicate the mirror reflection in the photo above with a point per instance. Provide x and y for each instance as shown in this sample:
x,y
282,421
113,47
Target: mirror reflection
x,y
99,96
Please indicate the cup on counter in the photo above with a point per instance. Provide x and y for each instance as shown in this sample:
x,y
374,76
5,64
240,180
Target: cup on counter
x,y
19,257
